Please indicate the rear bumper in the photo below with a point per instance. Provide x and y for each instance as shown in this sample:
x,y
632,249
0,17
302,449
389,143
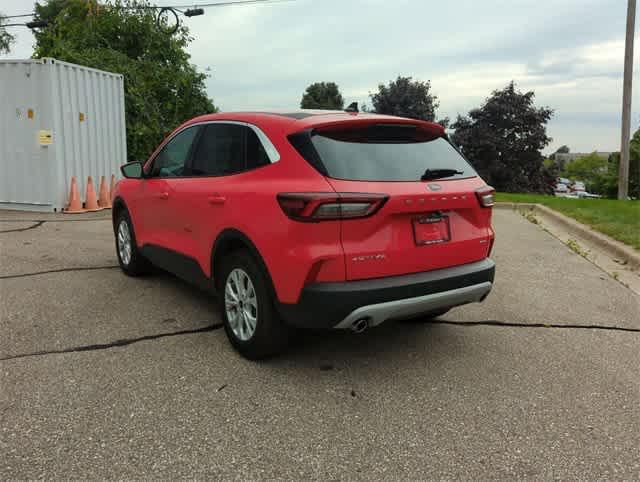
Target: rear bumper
x,y
338,305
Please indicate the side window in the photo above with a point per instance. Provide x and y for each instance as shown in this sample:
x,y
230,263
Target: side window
x,y
220,151
256,155
170,162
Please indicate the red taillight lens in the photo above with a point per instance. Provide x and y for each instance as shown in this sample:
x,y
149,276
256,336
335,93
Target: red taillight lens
x,y
292,207
319,206
485,196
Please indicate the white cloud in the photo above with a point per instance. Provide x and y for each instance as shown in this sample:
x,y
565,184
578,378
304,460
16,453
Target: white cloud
x,y
570,53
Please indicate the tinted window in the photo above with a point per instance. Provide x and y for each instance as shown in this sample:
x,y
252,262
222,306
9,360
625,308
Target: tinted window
x,y
367,158
171,160
256,155
220,151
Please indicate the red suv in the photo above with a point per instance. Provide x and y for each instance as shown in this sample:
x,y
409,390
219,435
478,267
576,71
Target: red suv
x,y
309,219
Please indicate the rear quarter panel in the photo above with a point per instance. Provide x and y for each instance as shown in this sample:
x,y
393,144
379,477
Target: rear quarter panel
x,y
295,253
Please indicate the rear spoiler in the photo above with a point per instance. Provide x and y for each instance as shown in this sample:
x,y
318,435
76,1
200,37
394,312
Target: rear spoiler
x,y
384,130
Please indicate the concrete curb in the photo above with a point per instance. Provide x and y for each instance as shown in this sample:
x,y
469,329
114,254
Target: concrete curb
x,y
615,248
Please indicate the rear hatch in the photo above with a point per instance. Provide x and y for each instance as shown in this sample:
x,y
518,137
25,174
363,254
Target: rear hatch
x,y
437,210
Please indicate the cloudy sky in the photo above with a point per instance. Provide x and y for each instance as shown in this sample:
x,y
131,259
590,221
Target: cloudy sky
x,y
570,52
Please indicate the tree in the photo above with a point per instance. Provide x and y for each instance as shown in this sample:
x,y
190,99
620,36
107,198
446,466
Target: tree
x,y
503,140
588,169
162,88
607,183
405,97
6,39
559,163
322,95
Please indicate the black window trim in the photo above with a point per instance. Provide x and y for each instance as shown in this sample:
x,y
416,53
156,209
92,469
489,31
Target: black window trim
x,y
267,145
149,174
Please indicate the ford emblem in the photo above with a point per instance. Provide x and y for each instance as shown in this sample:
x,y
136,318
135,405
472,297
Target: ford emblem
x,y
435,187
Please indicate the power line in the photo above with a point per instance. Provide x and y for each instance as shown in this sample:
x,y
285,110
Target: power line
x,y
205,5
17,16
159,7
31,25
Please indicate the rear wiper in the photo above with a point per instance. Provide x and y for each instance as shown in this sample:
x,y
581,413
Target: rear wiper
x,y
430,174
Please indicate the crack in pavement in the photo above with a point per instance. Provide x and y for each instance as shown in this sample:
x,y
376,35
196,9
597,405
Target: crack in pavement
x,y
59,270
53,220
36,225
40,222
535,325
114,344
216,326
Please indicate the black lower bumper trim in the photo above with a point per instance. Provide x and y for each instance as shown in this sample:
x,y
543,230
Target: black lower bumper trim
x,y
324,305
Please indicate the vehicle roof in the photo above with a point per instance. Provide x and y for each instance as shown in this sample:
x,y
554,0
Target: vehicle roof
x,y
294,120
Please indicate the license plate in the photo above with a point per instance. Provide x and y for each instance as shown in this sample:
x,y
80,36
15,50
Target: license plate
x,y
431,228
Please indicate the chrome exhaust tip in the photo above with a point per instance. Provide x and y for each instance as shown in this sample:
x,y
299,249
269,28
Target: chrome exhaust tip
x,y
360,325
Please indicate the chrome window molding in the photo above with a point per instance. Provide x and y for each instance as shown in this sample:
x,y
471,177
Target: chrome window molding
x,y
269,148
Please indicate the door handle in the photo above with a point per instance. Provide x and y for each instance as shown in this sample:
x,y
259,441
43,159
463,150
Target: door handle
x,y
216,199
163,195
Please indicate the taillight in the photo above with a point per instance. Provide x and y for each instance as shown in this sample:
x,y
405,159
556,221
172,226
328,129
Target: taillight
x,y
320,206
485,196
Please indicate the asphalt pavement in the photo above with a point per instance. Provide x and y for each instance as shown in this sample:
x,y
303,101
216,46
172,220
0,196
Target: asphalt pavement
x,y
105,376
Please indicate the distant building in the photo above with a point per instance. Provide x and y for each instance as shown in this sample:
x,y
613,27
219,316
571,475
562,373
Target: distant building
x,y
572,156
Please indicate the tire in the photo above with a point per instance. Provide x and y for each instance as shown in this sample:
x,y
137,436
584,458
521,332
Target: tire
x,y
130,260
245,295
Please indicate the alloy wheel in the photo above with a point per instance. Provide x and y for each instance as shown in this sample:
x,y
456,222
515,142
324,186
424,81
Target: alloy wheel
x,y
241,304
124,242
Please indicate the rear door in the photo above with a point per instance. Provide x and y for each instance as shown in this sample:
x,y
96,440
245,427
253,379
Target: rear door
x,y
224,153
425,224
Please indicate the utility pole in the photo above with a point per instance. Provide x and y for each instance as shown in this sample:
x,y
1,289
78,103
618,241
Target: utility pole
x,y
623,172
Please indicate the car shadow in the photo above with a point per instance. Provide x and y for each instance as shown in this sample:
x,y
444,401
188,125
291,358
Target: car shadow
x,y
327,350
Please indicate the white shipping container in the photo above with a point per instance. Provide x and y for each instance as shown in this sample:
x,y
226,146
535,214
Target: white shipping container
x,y
57,120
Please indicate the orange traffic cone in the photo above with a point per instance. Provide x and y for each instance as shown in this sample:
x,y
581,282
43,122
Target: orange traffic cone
x,y
112,187
75,203
90,201
104,201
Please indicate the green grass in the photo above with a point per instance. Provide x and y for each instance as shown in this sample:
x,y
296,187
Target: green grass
x,y
618,219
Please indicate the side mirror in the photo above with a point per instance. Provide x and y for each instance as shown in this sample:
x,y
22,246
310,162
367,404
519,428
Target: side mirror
x,y
132,170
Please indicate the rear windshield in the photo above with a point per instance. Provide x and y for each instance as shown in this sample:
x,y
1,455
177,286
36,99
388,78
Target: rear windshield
x,y
376,158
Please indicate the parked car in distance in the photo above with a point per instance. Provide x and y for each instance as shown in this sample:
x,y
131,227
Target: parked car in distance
x,y
309,219
560,188
577,186
587,195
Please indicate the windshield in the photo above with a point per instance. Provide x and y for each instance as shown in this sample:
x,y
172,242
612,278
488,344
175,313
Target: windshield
x,y
378,160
